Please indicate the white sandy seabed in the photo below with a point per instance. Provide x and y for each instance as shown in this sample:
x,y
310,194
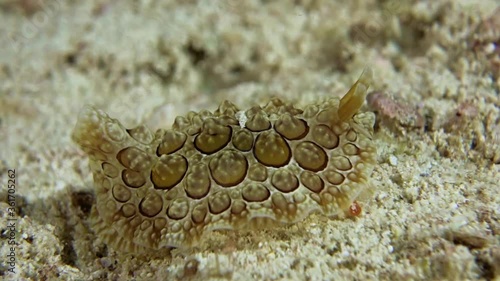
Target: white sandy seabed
x,y
434,215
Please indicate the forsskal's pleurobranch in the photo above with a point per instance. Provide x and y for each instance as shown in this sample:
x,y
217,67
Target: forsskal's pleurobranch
x,y
229,169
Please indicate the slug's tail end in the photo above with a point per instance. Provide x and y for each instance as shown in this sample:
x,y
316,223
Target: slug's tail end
x,y
355,97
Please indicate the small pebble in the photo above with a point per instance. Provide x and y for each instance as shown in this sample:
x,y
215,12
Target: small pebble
x,y
393,160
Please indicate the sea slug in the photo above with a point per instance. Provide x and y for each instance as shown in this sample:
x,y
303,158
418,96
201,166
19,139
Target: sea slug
x,y
217,170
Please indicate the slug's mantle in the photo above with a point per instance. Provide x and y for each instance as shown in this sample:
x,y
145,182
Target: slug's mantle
x,y
229,169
